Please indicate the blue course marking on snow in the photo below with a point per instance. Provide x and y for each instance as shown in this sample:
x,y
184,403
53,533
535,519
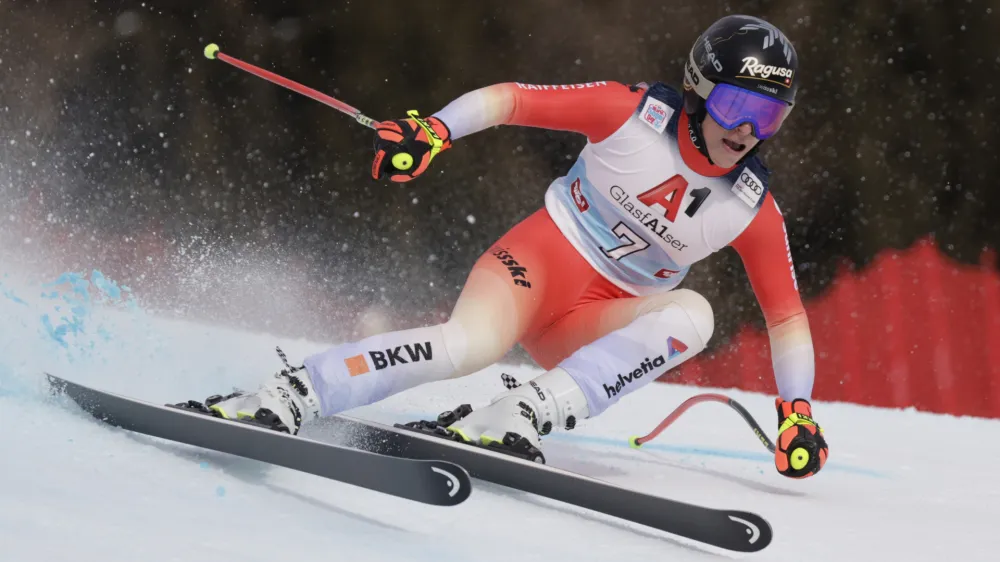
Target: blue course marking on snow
x,y
56,318
9,295
674,449
106,286
703,451
80,294
58,333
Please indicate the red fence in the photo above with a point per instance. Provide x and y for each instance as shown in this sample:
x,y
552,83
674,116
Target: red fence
x,y
913,328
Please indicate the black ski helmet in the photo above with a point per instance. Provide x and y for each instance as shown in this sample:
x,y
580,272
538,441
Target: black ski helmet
x,y
744,51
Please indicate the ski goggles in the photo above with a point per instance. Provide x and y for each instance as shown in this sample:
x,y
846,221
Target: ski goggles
x,y
731,106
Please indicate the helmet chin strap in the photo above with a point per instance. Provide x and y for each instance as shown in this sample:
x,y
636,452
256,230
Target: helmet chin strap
x,y
697,134
694,106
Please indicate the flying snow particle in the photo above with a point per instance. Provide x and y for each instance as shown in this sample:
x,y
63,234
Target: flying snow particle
x,y
127,24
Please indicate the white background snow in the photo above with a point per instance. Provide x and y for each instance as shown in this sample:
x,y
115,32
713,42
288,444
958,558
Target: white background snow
x,y
900,485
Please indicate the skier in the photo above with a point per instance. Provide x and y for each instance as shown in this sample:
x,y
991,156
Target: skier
x,y
588,284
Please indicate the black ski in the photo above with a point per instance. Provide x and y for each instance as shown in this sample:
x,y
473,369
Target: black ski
x,y
422,467
431,481
732,530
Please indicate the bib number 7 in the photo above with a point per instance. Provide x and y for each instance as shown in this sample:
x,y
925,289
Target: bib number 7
x,y
632,242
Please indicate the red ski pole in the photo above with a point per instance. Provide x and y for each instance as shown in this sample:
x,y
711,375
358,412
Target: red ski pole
x,y
212,51
637,442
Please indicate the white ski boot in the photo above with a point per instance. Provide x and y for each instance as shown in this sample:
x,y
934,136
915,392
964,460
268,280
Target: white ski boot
x,y
282,404
514,420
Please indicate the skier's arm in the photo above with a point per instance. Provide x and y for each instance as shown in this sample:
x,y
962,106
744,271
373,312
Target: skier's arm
x,y
800,449
594,109
763,247
404,148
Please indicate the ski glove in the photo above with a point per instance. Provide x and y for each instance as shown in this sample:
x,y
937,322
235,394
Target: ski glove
x,y
800,450
405,147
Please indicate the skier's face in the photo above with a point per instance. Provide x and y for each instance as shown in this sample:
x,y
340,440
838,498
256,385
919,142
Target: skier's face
x,y
727,147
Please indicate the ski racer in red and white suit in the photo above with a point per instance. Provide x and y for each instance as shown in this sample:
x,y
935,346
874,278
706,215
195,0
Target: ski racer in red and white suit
x,y
588,285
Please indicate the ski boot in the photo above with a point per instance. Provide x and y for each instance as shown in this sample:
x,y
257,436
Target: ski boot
x,y
514,421
282,404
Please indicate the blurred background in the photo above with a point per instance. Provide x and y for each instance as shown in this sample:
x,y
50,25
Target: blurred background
x,y
215,195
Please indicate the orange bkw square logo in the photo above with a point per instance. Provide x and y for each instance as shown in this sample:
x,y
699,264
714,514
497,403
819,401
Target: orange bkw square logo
x,y
356,365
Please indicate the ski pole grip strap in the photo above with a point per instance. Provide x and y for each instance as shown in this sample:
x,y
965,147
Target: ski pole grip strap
x,y
433,138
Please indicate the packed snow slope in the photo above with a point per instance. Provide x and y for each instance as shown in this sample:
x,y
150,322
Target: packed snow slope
x,y
900,485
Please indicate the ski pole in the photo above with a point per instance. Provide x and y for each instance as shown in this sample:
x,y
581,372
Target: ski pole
x,y
637,442
212,52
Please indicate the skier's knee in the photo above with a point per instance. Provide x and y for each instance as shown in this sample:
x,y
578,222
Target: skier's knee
x,y
695,306
669,330
698,310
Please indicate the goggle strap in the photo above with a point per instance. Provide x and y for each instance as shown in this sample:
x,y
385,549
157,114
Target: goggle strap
x,y
702,86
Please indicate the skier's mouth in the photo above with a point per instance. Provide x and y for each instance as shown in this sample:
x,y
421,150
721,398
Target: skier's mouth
x,y
734,146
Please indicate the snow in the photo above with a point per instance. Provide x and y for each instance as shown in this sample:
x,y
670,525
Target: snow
x,y
900,485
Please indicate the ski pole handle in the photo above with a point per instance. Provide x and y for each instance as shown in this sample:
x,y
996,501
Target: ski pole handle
x,y
212,52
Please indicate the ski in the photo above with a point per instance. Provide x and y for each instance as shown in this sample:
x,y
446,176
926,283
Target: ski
x,y
403,461
733,530
431,481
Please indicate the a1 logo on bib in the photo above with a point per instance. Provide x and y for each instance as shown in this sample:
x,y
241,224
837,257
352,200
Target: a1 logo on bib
x,y
656,114
749,188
